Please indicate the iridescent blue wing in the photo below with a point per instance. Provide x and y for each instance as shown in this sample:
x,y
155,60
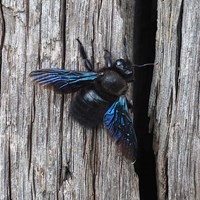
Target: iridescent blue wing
x,y
119,123
63,80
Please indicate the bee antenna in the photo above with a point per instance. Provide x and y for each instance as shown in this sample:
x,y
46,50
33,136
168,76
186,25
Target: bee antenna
x,y
146,64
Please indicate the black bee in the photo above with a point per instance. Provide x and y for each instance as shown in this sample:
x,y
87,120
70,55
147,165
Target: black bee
x,y
99,98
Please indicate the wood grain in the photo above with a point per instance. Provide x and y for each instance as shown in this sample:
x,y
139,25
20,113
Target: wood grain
x,y
39,142
174,101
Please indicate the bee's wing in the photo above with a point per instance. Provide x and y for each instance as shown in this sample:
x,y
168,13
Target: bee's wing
x,y
119,123
63,80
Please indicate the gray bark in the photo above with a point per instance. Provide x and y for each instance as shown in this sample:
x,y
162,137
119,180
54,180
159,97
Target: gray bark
x,y
39,141
174,101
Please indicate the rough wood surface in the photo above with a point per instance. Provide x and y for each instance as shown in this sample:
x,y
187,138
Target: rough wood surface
x,y
39,142
174,102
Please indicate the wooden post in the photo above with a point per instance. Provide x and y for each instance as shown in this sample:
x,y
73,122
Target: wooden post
x,y
174,102
39,141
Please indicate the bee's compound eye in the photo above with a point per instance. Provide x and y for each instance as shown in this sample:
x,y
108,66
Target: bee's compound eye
x,y
124,69
120,62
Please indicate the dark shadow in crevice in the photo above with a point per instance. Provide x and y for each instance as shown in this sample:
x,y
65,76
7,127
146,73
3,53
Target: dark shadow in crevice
x,y
144,52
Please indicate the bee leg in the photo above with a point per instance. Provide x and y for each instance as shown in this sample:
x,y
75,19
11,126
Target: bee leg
x,y
108,59
88,64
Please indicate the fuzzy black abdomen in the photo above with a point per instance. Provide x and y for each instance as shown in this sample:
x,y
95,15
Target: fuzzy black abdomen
x,y
88,108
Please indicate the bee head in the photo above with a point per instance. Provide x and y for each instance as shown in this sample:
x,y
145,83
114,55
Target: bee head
x,y
125,69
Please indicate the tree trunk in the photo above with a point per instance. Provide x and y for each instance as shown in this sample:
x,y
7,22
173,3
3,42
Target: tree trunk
x,y
174,101
44,153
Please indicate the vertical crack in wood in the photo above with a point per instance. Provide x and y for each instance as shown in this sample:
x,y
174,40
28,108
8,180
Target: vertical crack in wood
x,y
33,189
111,28
63,170
93,39
27,16
9,171
99,10
30,139
30,145
166,175
2,36
30,135
93,161
63,30
30,126
179,44
40,36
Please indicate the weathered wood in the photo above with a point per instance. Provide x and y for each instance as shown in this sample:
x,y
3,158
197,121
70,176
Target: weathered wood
x,y
174,102
39,141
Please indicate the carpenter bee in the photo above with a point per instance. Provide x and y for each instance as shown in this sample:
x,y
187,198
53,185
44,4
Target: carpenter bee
x,y
100,97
